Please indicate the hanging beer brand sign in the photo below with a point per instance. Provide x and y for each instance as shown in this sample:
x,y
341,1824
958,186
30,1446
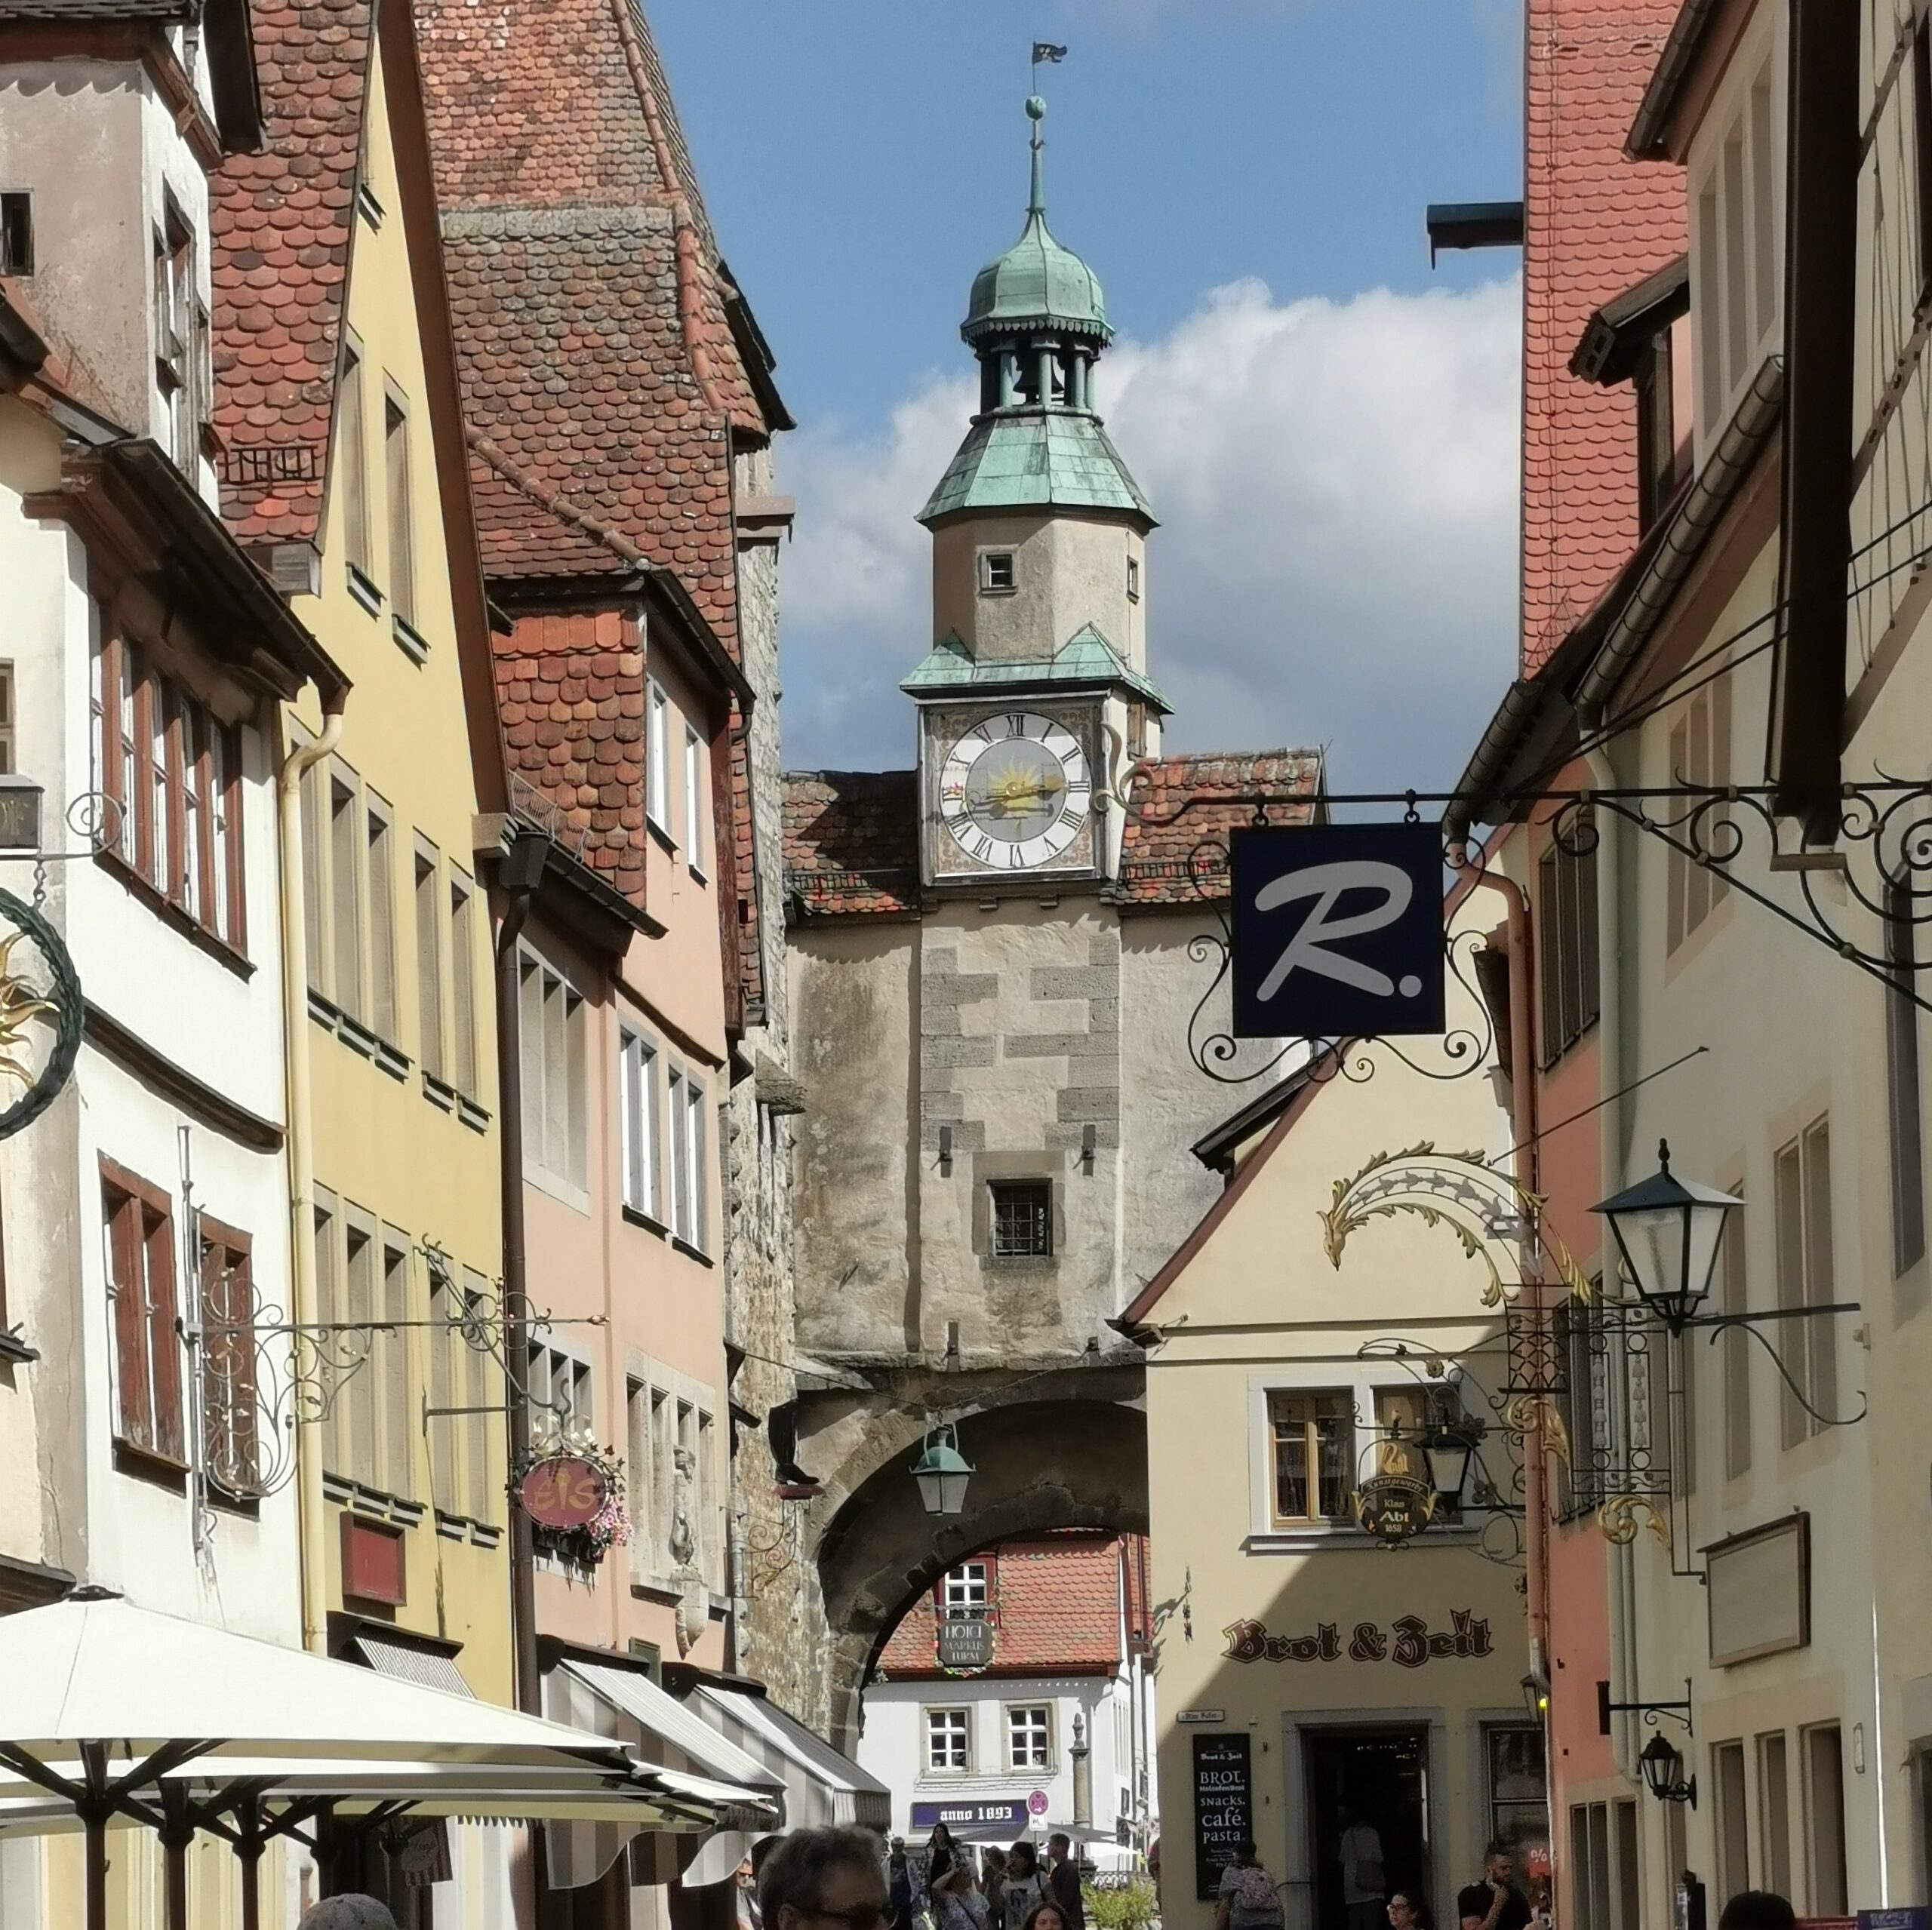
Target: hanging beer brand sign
x,y
563,1490
965,1643
1223,1808
1336,930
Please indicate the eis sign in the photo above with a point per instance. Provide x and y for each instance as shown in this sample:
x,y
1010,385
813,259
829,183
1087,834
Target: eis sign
x,y
1408,1641
1335,930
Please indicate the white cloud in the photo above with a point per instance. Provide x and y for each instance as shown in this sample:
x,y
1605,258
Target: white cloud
x,y
1337,484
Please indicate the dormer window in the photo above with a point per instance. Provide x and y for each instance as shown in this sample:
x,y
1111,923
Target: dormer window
x,y
999,574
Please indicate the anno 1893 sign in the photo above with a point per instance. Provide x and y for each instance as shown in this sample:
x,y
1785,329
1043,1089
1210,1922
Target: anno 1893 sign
x,y
1408,1641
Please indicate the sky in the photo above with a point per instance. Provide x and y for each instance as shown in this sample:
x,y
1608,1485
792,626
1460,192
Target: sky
x,y
1325,426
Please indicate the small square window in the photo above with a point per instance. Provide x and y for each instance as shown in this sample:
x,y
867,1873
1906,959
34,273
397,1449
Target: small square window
x,y
15,233
1133,579
998,572
1023,1219
964,1590
948,1743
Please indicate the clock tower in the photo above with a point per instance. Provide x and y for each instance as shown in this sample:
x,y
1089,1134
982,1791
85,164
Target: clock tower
x,y
1034,698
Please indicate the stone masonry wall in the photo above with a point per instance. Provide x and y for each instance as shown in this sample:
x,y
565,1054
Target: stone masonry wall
x,y
781,1620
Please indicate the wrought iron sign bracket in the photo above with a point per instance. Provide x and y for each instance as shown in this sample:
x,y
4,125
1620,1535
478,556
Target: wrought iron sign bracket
x,y
1651,1712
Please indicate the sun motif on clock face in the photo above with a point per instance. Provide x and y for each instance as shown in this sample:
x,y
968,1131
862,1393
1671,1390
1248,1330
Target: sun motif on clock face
x,y
1015,791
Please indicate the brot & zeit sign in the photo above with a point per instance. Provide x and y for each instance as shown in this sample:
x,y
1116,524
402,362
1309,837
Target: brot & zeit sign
x,y
1337,931
1223,1807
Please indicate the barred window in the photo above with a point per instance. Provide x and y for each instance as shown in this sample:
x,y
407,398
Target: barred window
x,y
1022,1213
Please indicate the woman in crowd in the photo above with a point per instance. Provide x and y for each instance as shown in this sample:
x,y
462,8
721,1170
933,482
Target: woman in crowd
x,y
1026,1887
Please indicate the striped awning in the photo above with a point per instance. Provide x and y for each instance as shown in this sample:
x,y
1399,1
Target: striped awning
x,y
821,1786
423,1667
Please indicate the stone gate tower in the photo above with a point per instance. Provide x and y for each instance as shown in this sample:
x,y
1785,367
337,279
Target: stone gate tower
x,y
993,995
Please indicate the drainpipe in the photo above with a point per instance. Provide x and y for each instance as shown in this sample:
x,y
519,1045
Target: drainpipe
x,y
303,1295
517,874
1610,1153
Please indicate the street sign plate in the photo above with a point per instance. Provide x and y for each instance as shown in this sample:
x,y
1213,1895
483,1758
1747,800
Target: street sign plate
x,y
1336,930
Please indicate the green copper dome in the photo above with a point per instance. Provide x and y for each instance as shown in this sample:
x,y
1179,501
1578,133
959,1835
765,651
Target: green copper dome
x,y
1036,282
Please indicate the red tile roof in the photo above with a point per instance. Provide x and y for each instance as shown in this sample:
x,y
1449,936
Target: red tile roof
x,y
1175,850
1594,223
851,841
1057,1604
600,369
281,222
570,690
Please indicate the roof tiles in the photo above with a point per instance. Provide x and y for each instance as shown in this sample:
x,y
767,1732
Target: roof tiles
x,y
1175,851
1594,222
1056,1605
851,841
281,222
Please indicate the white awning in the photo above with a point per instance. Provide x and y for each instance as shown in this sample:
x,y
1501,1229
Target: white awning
x,y
821,1786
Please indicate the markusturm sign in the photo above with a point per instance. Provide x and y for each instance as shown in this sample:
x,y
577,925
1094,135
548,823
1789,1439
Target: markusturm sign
x,y
1337,931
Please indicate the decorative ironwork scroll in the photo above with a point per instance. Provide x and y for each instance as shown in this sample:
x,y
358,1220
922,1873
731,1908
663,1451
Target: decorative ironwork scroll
x,y
41,1014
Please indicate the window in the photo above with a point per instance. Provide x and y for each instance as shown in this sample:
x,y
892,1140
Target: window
x,y
1734,265
1907,1140
1802,1171
1518,1806
1583,1403
966,1589
180,329
352,464
1774,1812
462,981
140,1230
1734,1852
7,757
1567,937
446,1345
686,1124
1023,1219
1699,756
428,964
1603,1865
382,925
558,1392
356,1401
710,1552
551,1026
1029,1738
656,778
402,544
1733,1291
483,1395
1311,1437
948,1741
998,572
1824,1818
693,800
173,770
1663,456
638,1075
345,920
15,233
230,1444
1398,1416
395,1455
1133,579
637,1455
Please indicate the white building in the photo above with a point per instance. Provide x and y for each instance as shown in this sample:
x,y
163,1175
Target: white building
x,y
1053,1732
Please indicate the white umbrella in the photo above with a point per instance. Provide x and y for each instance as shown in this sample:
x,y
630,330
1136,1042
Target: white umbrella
x,y
115,1709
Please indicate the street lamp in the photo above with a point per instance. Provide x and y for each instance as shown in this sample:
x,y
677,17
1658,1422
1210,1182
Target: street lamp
x,y
1668,1233
1536,1697
942,1471
1448,1450
1663,1771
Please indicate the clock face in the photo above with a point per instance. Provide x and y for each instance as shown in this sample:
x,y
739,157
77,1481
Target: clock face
x,y
1016,790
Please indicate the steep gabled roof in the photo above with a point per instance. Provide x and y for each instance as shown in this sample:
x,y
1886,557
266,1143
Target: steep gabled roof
x,y
1174,853
282,221
1594,221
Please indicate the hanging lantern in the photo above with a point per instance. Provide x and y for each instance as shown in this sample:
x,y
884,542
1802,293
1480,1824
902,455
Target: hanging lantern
x,y
1668,1232
942,1471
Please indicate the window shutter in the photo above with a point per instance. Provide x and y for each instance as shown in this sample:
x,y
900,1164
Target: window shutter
x,y
164,1343
122,1212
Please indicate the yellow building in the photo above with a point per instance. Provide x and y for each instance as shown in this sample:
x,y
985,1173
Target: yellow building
x,y
340,415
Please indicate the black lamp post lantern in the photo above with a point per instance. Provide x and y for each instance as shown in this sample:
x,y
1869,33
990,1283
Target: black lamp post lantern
x,y
1448,1449
1668,1232
1663,1766
942,1471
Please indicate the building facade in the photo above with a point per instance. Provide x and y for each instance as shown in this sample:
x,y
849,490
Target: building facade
x,y
1055,1731
1311,1679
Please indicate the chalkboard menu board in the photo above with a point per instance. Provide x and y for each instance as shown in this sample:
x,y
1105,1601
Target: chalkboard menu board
x,y
1223,1807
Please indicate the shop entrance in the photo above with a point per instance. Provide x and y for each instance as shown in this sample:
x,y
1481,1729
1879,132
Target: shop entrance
x,y
1375,1775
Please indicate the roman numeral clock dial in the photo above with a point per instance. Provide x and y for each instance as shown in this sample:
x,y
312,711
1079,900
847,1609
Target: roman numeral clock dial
x,y
1015,791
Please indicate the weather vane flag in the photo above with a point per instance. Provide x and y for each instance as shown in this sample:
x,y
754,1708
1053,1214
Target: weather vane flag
x,y
1045,50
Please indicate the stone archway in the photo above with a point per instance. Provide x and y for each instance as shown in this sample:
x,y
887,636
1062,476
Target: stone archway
x,y
1063,1452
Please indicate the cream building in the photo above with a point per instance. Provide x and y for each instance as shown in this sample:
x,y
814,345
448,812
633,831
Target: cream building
x,y
1307,1673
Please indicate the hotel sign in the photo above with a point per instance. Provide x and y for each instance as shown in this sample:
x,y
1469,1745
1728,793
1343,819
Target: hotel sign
x,y
965,1643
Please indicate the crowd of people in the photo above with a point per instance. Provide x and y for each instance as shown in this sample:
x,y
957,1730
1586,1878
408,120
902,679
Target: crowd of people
x,y
1007,1889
